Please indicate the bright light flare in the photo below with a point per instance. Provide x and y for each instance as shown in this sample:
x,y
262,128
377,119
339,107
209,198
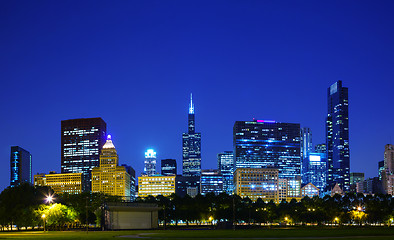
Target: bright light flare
x,y
49,199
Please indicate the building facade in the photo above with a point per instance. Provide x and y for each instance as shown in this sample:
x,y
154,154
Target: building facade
x,y
211,181
315,170
306,142
191,146
262,143
109,177
130,170
189,185
60,183
356,177
81,143
150,163
337,136
388,173
156,185
309,190
226,167
21,166
168,167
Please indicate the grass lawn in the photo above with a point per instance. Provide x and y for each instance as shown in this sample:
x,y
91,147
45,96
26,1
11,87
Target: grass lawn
x,y
297,233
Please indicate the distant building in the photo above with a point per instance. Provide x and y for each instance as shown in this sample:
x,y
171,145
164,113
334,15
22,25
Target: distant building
x,y
81,143
337,190
257,183
315,170
150,163
226,167
356,177
189,185
21,165
109,177
168,167
266,143
370,186
337,137
381,169
211,181
294,189
70,183
388,173
321,148
191,142
130,170
156,185
306,142
309,190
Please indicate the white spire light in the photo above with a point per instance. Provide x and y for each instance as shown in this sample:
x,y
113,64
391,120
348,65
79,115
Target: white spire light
x,y
191,105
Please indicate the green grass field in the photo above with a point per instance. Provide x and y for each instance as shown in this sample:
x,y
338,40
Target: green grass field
x,y
298,233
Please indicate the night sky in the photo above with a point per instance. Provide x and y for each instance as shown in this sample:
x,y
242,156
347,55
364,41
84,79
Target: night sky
x,y
135,63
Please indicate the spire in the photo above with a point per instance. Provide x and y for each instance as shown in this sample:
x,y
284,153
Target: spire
x,y
108,143
191,105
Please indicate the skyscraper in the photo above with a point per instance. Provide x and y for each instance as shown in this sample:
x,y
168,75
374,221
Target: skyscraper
x,y
211,181
266,143
191,146
81,143
20,162
150,163
314,170
168,167
306,142
226,167
337,136
388,173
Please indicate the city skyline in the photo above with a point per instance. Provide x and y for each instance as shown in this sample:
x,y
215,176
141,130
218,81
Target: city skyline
x,y
262,61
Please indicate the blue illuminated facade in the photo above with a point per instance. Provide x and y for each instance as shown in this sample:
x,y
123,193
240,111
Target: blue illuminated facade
x,y
21,166
211,181
191,147
168,167
262,143
314,170
226,168
337,137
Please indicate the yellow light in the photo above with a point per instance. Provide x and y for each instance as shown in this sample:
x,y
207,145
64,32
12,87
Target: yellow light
x,y
43,215
336,219
210,218
286,219
359,208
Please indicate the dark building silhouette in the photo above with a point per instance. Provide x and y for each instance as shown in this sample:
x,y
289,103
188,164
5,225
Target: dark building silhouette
x,y
337,136
130,170
81,143
21,166
168,167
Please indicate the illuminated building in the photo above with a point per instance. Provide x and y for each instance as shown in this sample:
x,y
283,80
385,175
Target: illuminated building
x,y
282,189
370,186
356,177
168,167
60,182
257,183
156,185
130,170
381,169
211,181
189,185
337,137
309,190
109,177
264,143
321,148
306,142
81,142
226,167
150,163
315,170
294,189
388,173
191,142
21,164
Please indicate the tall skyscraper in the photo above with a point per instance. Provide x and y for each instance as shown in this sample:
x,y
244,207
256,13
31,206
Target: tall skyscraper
x,y
150,163
168,167
306,142
388,173
314,170
191,146
211,181
20,161
81,143
265,143
337,136
226,167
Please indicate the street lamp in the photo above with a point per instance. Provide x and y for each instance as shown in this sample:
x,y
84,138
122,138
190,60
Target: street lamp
x,y
49,198
43,217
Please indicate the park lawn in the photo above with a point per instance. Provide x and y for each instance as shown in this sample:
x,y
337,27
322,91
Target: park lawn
x,y
297,233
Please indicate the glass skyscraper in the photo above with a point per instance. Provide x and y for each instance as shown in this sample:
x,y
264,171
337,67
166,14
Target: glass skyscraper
x,y
226,167
191,142
21,163
265,143
314,170
337,137
306,142
211,181
150,163
81,143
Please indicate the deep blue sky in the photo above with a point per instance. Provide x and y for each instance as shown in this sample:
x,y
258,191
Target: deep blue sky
x,y
135,63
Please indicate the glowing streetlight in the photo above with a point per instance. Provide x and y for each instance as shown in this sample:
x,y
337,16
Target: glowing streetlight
x,y
286,218
43,217
49,199
359,208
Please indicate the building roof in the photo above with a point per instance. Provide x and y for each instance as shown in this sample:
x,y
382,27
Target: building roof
x,y
108,143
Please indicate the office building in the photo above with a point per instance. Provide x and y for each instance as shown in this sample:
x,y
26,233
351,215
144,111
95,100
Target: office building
x,y
109,177
356,177
130,170
168,167
321,148
150,163
381,169
189,185
156,185
309,190
306,142
21,165
226,167
81,143
294,189
388,173
211,181
337,136
315,170
191,142
257,183
263,143
60,183
370,186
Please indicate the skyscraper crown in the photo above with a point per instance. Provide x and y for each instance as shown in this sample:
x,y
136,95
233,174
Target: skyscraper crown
x,y
191,105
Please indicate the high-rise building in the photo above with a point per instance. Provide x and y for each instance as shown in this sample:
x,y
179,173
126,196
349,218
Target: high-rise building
x,y
381,169
189,185
70,183
388,173
306,142
314,170
337,137
321,148
109,177
168,167
211,181
156,185
226,167
356,177
130,170
191,165
150,163
262,143
20,162
81,143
